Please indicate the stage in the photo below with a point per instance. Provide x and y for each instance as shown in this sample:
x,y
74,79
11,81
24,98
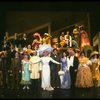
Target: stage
x,y
57,93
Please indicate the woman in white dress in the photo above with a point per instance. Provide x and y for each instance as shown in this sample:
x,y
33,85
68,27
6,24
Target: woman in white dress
x,y
46,68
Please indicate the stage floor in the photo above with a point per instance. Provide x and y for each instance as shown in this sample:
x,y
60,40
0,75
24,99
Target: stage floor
x,y
57,93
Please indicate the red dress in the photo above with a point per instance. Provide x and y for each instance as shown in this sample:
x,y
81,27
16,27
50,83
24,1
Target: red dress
x,y
84,39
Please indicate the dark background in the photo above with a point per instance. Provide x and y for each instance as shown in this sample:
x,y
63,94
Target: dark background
x,y
93,8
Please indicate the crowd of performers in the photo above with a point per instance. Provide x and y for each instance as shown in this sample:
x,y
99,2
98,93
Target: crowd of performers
x,y
78,38
31,65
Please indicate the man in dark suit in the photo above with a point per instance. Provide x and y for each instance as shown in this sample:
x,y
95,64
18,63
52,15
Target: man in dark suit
x,y
4,68
24,40
73,64
55,80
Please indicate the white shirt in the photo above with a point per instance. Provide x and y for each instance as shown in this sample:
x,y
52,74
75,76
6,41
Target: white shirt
x,y
70,61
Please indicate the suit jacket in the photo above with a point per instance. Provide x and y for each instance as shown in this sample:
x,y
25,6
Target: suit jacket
x,y
75,62
53,65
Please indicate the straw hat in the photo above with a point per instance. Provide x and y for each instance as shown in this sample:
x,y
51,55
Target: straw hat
x,y
46,34
94,53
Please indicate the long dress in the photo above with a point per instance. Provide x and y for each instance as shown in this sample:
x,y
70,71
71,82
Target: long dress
x,y
84,39
95,72
46,71
66,82
26,74
84,75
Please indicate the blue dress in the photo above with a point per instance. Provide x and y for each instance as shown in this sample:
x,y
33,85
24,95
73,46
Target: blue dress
x,y
26,74
66,80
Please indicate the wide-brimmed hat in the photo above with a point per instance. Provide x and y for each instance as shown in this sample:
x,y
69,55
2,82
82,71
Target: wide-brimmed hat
x,y
81,26
94,53
36,34
77,49
44,47
46,34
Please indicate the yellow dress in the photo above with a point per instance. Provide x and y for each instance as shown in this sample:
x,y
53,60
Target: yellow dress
x,y
84,75
95,71
29,51
46,39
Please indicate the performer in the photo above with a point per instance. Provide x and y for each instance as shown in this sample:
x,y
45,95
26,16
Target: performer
x,y
5,67
16,69
29,50
5,45
67,39
46,49
76,33
84,38
35,71
84,75
15,40
25,72
24,40
36,41
62,39
55,81
73,63
38,35
46,38
94,57
66,82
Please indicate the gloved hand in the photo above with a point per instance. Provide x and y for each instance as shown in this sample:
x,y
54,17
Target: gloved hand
x,y
19,71
23,72
96,68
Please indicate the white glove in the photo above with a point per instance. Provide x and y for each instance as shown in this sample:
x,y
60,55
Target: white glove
x,y
23,72
75,70
96,68
19,71
67,70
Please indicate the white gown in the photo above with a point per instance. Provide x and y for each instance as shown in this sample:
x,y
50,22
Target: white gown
x,y
46,71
